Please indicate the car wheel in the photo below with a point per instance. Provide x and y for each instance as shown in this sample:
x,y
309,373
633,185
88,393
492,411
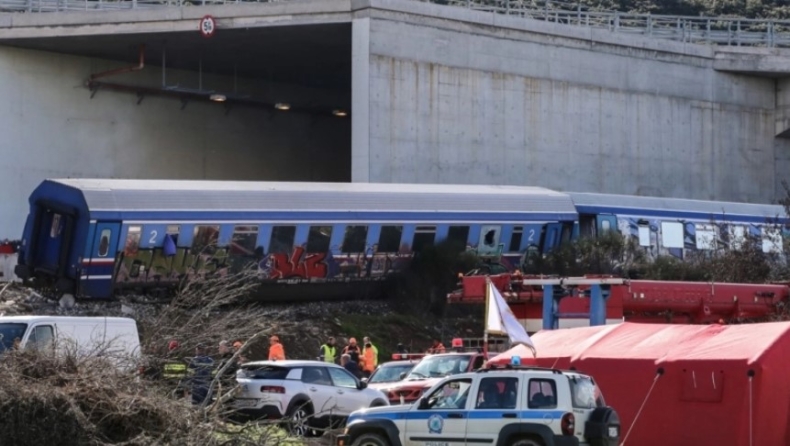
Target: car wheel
x,y
370,440
299,420
526,442
378,403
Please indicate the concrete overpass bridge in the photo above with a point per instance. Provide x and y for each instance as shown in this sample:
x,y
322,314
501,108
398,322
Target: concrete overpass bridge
x,y
392,91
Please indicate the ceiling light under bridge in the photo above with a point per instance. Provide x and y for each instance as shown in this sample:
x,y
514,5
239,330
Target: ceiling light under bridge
x,y
218,97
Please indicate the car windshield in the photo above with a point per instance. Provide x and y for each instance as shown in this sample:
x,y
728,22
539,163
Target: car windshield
x,y
585,393
436,366
387,374
265,372
9,333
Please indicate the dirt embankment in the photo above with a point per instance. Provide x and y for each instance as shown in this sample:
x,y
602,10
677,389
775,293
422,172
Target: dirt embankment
x,y
302,327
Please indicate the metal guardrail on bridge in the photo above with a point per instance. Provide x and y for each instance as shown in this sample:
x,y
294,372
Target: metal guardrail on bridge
x,y
689,29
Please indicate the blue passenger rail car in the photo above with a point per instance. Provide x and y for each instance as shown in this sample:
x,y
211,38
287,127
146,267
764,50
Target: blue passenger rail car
x,y
675,227
92,237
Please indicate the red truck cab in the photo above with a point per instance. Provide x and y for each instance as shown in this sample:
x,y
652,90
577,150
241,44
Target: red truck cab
x,y
429,371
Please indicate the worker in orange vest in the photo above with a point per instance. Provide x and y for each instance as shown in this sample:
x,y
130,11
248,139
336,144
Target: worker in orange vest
x,y
276,350
368,360
369,345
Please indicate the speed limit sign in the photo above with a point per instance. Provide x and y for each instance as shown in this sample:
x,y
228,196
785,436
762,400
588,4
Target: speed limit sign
x,y
207,26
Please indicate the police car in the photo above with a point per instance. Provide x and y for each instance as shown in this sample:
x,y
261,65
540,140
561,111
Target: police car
x,y
508,406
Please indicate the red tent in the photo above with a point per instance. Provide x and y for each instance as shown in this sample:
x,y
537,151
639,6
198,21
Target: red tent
x,y
700,384
520,350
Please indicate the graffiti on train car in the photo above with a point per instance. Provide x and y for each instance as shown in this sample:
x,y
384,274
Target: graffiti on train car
x,y
145,265
152,265
302,265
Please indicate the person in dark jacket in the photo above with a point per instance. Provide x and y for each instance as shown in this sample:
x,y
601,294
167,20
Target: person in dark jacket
x,y
348,362
228,378
200,375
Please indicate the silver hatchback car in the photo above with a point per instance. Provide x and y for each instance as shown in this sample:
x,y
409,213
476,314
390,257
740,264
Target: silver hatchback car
x,y
309,395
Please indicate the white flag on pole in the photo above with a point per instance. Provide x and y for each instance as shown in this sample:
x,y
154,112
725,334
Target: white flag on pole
x,y
500,320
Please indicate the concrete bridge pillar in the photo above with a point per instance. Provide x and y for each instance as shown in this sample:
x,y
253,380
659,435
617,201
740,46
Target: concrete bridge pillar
x,y
782,116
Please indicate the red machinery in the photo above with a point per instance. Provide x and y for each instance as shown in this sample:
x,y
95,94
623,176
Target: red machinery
x,y
630,300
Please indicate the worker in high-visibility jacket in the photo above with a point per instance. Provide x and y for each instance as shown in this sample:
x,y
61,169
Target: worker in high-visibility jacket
x,y
173,368
328,351
366,344
276,350
368,359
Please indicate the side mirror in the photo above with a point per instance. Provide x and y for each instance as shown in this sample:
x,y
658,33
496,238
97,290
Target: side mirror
x,y
362,385
423,404
402,376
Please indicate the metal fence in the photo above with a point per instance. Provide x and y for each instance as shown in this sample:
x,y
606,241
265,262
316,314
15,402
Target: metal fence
x,y
689,29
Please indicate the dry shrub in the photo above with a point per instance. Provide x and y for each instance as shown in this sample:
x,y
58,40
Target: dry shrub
x,y
205,310
64,399
81,398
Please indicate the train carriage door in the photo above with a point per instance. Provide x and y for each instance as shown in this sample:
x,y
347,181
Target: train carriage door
x,y
50,237
53,240
98,268
552,238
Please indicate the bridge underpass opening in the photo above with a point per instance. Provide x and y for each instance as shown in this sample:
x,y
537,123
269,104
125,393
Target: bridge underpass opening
x,y
159,122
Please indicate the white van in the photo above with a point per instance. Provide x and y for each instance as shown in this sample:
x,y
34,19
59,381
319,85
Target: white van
x,y
113,337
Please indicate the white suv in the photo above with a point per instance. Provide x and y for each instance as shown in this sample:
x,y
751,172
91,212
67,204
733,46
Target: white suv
x,y
311,394
511,406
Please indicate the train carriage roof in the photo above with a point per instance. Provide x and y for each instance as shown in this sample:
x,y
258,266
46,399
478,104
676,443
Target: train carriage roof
x,y
674,207
110,198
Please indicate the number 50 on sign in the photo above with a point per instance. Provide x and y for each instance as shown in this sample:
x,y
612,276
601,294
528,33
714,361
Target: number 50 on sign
x,y
207,26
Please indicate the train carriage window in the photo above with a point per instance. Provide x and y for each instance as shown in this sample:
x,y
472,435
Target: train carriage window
x,y
605,225
205,240
282,240
355,238
104,242
644,235
132,241
54,230
424,236
318,239
706,236
242,244
515,239
737,236
671,234
772,240
389,239
458,235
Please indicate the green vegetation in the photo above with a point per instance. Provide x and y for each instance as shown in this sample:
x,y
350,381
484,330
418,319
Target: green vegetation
x,y
433,273
615,254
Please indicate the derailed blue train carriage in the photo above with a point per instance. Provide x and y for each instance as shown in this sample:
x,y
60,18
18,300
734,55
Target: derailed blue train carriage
x,y
94,237
675,227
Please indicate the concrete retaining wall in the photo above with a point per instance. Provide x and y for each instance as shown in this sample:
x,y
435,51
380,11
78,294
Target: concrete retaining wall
x,y
454,101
